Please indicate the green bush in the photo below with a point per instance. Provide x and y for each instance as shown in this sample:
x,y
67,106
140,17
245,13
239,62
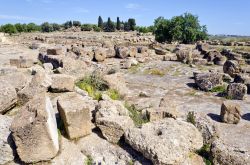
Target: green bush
x,y
89,160
191,118
136,116
93,84
114,94
86,27
219,89
184,29
205,153
9,28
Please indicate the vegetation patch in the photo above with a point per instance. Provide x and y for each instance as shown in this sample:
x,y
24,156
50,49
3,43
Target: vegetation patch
x,y
157,72
89,160
205,153
136,116
114,94
219,89
134,69
191,118
94,85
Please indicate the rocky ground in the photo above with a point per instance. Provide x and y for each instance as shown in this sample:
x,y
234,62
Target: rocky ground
x,y
121,98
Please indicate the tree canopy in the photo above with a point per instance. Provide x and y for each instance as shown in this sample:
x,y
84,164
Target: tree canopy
x,y
184,29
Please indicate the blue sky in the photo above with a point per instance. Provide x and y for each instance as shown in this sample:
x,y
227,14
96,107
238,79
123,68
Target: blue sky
x,y
220,16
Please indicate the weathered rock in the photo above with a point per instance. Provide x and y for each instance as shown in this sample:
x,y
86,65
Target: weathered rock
x,y
108,107
122,52
48,67
6,143
132,51
8,96
113,127
69,154
34,130
39,83
55,51
126,64
22,62
142,49
100,54
160,51
231,67
116,81
75,115
18,80
110,52
103,152
244,79
230,112
184,55
207,81
236,91
168,141
62,83
231,145
155,114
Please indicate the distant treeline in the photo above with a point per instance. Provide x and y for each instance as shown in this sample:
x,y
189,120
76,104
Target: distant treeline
x,y
108,26
185,28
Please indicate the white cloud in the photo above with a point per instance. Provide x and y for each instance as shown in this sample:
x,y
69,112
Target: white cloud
x,y
81,10
133,6
16,17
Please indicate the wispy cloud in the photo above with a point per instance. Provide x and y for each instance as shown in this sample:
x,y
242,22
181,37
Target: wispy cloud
x,y
135,6
81,10
17,17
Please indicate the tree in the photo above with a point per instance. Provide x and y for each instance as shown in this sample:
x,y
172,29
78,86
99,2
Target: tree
x,y
9,28
126,26
19,27
86,27
68,24
131,24
46,27
109,26
118,24
77,23
56,27
183,29
100,22
32,27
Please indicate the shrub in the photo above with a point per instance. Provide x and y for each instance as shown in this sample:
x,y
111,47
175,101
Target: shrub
x,y
46,27
191,118
205,153
9,28
86,27
155,72
136,116
114,94
76,23
219,89
184,29
89,160
96,28
93,84
109,26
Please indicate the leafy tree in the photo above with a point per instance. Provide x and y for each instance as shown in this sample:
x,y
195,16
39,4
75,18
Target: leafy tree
x,y
86,27
9,28
100,22
131,24
32,27
118,24
19,27
77,23
96,28
46,27
184,29
68,24
56,27
126,26
24,27
109,26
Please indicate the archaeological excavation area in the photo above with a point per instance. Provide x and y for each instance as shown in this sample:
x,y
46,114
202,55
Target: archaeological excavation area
x,y
121,98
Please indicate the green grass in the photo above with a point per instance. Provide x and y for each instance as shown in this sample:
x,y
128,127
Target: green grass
x,y
219,89
191,118
157,72
136,116
89,160
94,85
205,153
114,94
134,69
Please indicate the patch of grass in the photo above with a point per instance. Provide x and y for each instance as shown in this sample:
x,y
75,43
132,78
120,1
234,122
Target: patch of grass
x,y
192,93
229,97
114,94
93,84
136,116
191,118
89,160
219,89
157,72
177,73
205,153
134,69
